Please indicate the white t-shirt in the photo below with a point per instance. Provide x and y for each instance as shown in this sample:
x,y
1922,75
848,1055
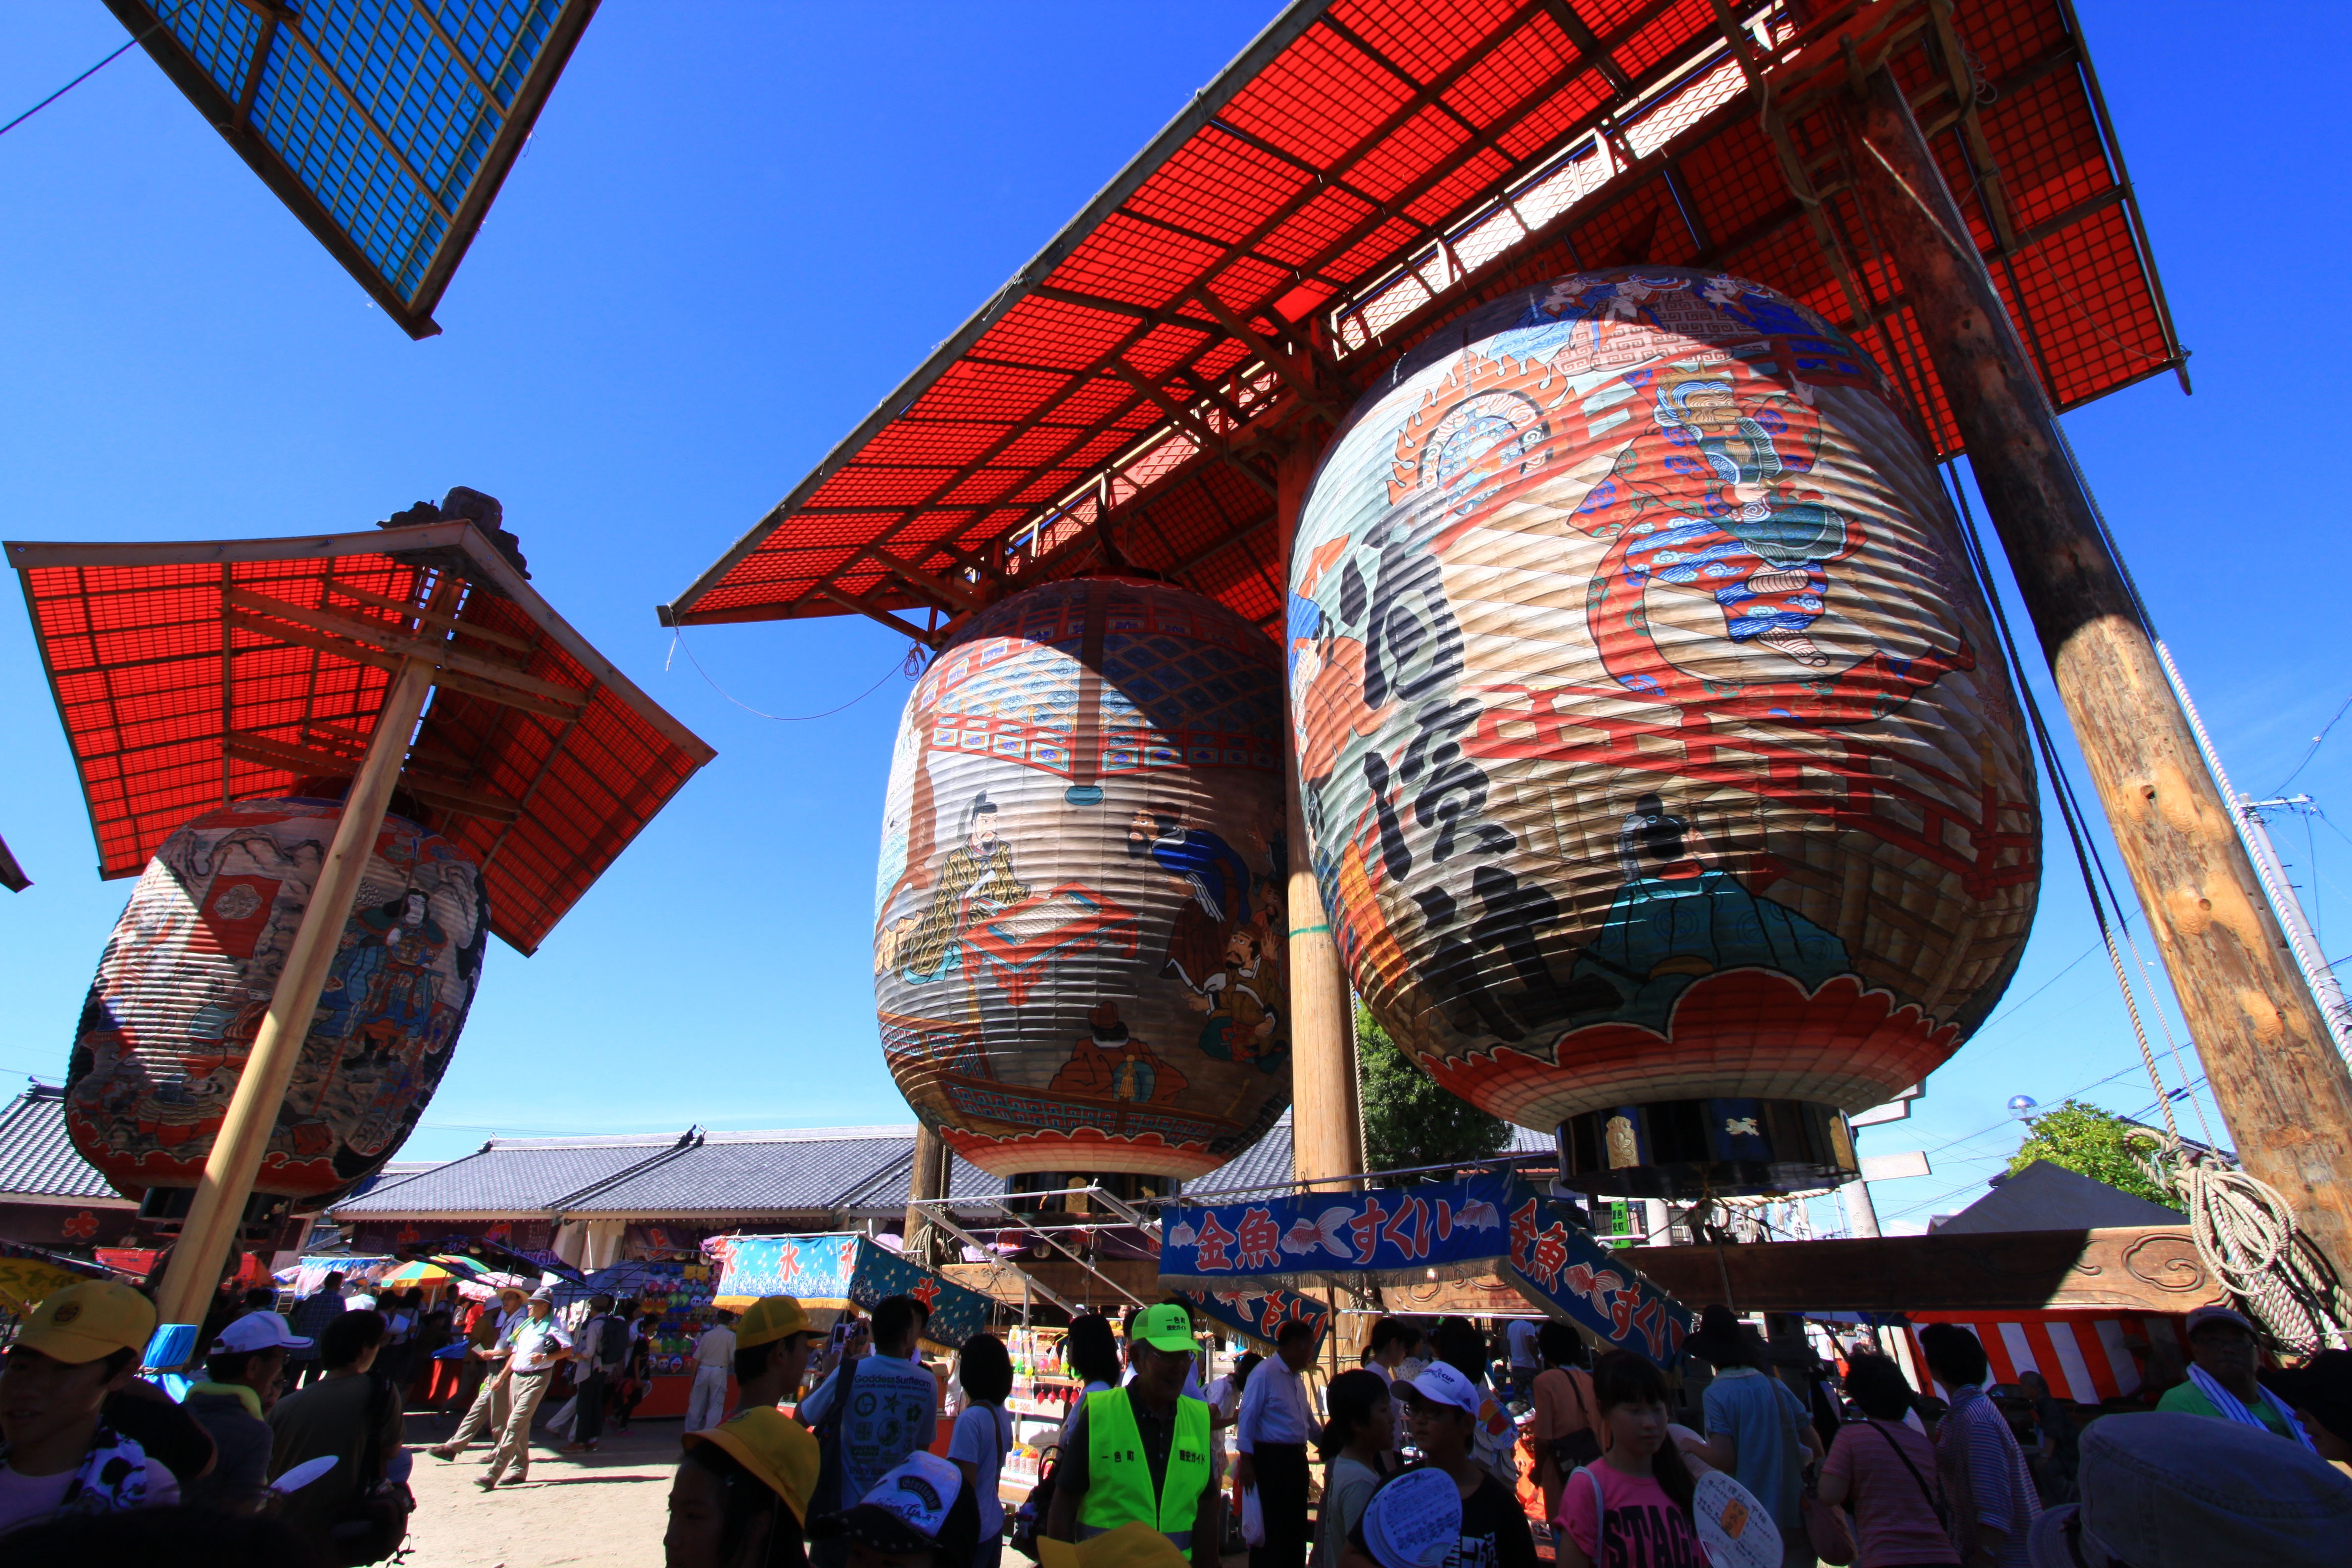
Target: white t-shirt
x,y
715,1350
1522,1336
535,1344
983,1435
27,1499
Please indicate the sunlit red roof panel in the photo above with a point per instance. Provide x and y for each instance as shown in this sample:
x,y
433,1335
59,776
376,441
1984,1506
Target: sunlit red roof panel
x,y
192,675
1368,169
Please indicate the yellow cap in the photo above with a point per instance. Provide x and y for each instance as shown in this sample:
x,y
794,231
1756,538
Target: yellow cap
x,y
90,1320
1134,1544
773,1447
769,1319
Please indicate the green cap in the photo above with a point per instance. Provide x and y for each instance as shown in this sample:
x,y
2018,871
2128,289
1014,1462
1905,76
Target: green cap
x,y
1166,1328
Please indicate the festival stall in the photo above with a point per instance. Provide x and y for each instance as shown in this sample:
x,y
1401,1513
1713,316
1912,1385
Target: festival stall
x,y
1486,1224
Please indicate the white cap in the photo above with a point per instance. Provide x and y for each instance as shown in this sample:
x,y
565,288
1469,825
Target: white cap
x,y
1442,1385
257,1331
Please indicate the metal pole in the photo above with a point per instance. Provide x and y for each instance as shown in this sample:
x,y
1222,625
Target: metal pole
x,y
2325,990
2271,1062
218,1207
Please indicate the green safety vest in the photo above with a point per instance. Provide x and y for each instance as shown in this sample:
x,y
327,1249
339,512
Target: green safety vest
x,y
1118,1476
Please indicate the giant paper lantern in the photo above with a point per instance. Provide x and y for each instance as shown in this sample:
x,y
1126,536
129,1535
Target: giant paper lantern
x,y
184,980
1663,774
1078,918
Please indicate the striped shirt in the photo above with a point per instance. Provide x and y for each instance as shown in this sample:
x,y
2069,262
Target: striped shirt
x,y
1985,1474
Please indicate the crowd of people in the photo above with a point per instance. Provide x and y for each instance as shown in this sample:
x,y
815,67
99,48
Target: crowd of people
x,y
1444,1448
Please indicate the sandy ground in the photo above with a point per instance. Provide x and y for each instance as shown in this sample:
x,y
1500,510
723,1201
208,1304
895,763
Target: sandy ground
x,y
599,1510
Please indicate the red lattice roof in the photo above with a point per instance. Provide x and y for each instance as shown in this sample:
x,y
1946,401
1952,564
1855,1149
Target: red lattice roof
x,y
192,675
1369,169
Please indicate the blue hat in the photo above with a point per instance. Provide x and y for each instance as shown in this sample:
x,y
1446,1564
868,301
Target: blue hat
x,y
2174,1491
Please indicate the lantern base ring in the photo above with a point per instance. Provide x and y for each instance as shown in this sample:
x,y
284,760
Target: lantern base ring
x,y
1685,1150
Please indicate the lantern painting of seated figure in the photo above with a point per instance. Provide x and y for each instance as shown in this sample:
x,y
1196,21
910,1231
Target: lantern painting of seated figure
x,y
1078,925
1661,766
184,980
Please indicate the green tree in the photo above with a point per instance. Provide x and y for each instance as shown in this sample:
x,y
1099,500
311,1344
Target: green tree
x,y
2090,1142
1409,1121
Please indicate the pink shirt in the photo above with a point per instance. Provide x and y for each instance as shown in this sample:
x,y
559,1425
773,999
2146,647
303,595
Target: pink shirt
x,y
1643,1526
1894,1520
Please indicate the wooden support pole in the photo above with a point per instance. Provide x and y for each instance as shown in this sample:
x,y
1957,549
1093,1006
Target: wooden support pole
x,y
2269,1060
927,1179
227,1181
1325,1129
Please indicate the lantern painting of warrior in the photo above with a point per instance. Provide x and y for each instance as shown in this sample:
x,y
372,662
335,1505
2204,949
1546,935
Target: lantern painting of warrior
x,y
1078,929
1660,769
184,982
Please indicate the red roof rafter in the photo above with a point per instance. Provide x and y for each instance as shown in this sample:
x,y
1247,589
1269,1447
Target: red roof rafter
x,y
191,675
1369,169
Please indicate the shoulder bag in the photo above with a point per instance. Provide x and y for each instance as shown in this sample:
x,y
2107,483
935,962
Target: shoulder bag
x,y
1580,1448
1828,1531
1935,1497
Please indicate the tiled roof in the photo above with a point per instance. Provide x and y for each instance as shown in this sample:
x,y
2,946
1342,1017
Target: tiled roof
x,y
885,1195
753,1174
522,1176
1266,1162
37,1157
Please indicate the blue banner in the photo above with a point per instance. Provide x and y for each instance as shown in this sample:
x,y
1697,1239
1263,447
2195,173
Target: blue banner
x,y
1257,1312
842,1270
1491,1224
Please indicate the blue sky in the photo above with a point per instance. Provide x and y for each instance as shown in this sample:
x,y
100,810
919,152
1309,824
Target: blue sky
x,y
726,241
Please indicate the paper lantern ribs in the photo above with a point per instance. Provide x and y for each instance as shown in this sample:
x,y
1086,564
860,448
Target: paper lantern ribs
x,y
1663,775
1078,926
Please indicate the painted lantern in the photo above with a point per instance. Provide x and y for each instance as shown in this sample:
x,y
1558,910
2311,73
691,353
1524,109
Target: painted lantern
x,y
1079,917
1661,769
187,976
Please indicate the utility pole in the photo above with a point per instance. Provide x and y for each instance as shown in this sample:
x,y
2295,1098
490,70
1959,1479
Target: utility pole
x,y
2334,1010
1326,1123
2270,1060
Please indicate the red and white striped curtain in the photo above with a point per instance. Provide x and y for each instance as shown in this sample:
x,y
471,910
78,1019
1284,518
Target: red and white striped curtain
x,y
2085,1356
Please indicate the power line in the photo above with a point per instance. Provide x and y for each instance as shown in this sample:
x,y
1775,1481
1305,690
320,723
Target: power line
x,y
678,640
2313,750
135,41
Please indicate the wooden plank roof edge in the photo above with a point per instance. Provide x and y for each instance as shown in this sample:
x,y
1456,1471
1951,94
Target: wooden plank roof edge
x,y
490,566
1206,103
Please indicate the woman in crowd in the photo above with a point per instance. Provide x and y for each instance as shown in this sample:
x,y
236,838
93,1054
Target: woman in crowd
x,y
1632,1505
1355,1444
1567,1426
1091,1355
1885,1471
983,1435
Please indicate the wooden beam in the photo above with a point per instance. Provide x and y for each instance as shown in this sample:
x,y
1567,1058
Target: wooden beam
x,y
2151,1268
343,648
391,639
957,595
437,787
912,633
235,1160
417,613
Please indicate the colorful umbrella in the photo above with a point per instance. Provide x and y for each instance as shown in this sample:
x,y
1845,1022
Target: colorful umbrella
x,y
417,1274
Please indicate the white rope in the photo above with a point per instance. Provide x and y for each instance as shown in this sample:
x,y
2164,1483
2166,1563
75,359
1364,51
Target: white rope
x,y
2245,1234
